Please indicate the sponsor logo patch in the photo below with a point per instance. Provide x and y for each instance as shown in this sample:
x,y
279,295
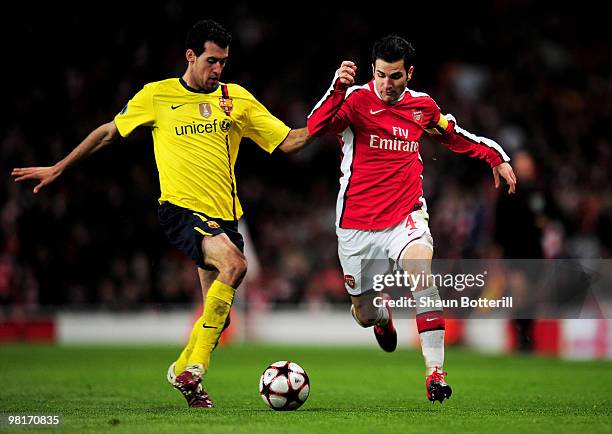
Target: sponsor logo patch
x,y
226,124
205,109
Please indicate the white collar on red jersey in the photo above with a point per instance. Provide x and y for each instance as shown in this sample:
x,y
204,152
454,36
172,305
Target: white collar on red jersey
x,y
379,97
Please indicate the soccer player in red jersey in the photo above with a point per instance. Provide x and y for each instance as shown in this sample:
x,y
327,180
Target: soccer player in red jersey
x,y
381,212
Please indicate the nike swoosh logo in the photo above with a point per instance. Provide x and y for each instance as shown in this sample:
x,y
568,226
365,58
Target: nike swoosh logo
x,y
174,107
372,112
431,319
208,327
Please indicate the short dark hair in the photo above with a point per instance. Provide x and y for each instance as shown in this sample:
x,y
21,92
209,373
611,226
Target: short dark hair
x,y
392,48
206,30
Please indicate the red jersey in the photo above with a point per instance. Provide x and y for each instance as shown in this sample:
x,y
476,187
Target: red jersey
x,y
382,179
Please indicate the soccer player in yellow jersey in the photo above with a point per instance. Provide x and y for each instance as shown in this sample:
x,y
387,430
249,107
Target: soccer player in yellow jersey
x,y
197,124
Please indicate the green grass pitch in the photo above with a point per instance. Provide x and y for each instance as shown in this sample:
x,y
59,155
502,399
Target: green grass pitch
x,y
353,390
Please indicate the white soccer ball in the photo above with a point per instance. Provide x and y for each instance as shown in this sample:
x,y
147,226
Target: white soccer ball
x,y
284,386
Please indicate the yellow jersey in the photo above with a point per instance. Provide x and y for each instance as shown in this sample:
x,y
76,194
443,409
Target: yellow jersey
x,y
196,137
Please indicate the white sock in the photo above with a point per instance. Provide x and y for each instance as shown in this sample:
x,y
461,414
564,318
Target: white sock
x,y
430,324
432,347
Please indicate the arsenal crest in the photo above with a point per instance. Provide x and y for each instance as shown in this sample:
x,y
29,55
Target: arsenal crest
x,y
349,281
205,109
417,115
226,104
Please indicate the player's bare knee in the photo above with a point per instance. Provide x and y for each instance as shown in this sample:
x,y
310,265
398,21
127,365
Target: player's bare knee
x,y
240,268
234,269
416,262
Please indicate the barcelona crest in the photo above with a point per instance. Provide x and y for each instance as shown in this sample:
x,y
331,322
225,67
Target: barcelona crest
x,y
213,225
226,104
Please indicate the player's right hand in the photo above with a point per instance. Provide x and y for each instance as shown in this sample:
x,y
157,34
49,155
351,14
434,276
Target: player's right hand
x,y
45,175
346,73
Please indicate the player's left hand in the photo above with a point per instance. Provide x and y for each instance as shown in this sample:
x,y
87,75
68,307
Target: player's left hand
x,y
506,172
45,175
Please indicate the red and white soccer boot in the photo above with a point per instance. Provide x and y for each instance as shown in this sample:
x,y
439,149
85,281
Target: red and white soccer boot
x,y
386,336
189,383
437,389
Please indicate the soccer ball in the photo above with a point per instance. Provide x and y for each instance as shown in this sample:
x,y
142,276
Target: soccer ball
x,y
284,386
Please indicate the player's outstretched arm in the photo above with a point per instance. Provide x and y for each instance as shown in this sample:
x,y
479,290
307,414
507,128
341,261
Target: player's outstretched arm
x,y
455,138
295,140
97,139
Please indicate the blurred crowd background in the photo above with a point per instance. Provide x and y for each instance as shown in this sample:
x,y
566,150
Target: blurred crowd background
x,y
536,80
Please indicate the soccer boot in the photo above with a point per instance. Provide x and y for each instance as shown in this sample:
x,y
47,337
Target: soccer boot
x,y
386,336
189,383
437,389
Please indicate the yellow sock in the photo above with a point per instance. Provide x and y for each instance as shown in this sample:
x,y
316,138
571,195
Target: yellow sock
x,y
181,362
218,304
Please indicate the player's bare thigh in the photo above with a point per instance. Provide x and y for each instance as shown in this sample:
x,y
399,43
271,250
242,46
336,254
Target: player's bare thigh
x,y
219,252
416,260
